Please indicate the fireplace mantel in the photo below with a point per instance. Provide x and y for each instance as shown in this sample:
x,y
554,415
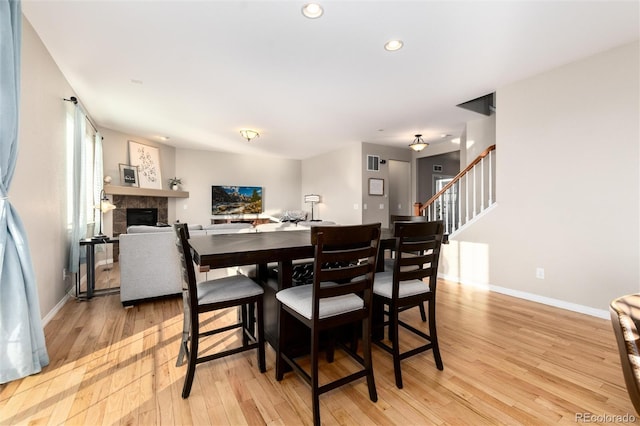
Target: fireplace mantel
x,y
144,192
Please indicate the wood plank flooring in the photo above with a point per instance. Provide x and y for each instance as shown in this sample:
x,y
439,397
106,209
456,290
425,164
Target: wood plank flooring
x,y
506,361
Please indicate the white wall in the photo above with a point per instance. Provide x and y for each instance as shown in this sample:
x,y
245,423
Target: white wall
x,y
568,185
38,190
279,178
337,178
115,148
115,151
480,134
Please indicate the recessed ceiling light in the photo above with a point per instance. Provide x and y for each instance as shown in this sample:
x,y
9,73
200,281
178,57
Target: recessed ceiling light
x,y
393,45
312,10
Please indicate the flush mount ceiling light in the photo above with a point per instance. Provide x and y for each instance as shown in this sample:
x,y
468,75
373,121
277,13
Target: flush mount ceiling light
x,y
249,134
312,10
418,144
393,45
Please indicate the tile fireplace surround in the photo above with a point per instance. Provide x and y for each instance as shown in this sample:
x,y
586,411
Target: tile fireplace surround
x,y
123,202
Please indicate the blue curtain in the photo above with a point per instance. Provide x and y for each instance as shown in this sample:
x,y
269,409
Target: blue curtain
x,y
97,179
79,219
22,346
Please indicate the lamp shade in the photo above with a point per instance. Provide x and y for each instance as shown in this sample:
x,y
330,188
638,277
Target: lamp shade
x,y
106,206
312,198
418,144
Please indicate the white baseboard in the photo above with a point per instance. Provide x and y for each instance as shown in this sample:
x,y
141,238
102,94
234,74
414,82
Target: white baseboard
x,y
60,304
55,310
562,304
104,262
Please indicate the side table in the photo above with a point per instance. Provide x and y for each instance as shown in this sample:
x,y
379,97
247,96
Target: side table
x,y
90,244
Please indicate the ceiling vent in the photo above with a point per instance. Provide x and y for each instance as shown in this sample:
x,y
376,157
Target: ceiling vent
x,y
482,105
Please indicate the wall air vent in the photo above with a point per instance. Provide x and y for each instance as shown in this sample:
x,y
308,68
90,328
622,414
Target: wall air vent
x,y
373,163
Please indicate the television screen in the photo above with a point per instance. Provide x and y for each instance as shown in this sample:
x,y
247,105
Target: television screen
x,y
236,200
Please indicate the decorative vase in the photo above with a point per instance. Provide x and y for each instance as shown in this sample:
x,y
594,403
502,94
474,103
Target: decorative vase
x,y
174,187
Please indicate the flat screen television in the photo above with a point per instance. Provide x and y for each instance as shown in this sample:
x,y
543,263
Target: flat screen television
x,y
232,200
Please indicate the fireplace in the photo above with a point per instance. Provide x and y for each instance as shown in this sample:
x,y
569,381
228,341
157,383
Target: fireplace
x,y
142,216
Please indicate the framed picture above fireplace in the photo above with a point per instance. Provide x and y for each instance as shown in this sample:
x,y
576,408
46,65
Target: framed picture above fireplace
x,y
147,158
129,175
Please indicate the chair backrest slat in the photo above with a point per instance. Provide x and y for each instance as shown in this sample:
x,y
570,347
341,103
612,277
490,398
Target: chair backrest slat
x,y
346,257
417,251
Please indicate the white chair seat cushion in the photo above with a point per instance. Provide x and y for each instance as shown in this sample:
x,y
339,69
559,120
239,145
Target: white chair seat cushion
x,y
383,286
227,288
299,299
389,263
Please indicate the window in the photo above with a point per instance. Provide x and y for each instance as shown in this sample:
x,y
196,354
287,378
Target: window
x,y
87,153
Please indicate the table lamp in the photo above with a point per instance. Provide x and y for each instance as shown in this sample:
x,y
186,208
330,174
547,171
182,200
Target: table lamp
x,y
312,198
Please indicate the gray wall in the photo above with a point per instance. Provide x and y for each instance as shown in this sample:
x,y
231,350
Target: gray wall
x,y
38,191
377,207
450,163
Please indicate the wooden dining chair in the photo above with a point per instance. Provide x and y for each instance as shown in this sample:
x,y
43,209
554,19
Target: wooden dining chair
x,y
341,294
417,252
213,295
390,262
625,319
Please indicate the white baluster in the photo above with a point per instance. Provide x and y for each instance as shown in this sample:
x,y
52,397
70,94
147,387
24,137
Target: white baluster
x,y
458,201
490,178
445,209
466,198
474,191
454,201
482,184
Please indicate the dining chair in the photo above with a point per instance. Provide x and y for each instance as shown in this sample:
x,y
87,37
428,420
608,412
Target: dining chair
x,y
207,296
389,262
417,250
625,319
341,294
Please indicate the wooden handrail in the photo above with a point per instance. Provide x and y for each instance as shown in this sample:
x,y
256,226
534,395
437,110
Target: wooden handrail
x,y
419,208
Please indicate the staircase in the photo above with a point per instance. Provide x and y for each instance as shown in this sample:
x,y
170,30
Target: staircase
x,y
467,195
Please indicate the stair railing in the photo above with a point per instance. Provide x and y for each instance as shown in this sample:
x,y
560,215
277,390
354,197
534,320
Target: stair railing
x,y
468,194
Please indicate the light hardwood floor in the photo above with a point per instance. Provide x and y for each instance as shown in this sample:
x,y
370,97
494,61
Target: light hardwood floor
x,y
506,361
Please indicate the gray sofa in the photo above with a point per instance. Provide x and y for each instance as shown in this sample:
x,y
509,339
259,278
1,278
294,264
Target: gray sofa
x,y
149,265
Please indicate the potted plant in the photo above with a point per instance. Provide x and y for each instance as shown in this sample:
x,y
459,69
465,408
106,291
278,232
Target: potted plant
x,y
174,182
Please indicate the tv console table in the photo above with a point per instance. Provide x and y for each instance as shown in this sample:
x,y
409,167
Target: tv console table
x,y
254,221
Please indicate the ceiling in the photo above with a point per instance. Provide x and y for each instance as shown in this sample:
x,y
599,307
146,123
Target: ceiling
x,y
199,71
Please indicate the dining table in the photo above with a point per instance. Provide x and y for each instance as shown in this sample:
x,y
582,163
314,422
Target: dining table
x,y
262,249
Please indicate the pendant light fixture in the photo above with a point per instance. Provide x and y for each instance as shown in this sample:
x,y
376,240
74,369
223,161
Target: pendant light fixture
x,y
418,144
249,134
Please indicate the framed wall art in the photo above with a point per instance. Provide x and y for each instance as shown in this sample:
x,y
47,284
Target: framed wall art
x,y
147,158
376,186
129,175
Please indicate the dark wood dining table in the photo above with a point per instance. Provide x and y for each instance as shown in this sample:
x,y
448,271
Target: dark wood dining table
x,y
261,249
